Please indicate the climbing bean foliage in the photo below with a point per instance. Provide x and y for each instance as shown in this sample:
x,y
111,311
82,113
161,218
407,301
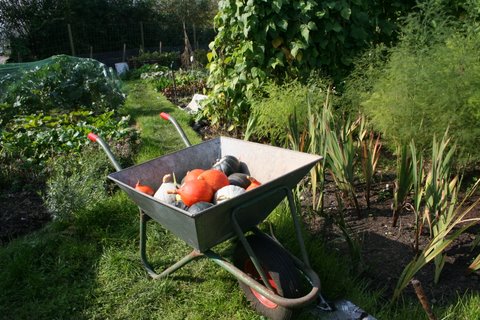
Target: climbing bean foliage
x,y
263,40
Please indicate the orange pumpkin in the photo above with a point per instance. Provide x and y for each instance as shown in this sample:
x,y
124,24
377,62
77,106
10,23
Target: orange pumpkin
x,y
253,183
192,175
215,178
144,188
194,191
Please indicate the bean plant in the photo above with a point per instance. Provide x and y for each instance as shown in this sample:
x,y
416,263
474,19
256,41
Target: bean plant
x,y
268,40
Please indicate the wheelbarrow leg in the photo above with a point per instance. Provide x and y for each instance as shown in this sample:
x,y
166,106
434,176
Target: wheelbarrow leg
x,y
143,254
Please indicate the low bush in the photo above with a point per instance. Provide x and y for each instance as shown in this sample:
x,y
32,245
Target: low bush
x,y
48,109
161,58
145,72
62,84
37,137
76,181
200,58
271,110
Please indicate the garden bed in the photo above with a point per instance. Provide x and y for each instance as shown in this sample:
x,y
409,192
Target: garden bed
x,y
386,250
22,212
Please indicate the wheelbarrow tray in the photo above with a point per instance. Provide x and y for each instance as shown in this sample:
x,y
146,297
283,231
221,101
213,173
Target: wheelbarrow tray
x,y
276,168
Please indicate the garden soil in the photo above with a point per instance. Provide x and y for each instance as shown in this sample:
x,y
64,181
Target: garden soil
x,y
385,249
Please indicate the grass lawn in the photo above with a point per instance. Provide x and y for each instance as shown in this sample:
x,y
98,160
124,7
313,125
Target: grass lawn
x,y
91,269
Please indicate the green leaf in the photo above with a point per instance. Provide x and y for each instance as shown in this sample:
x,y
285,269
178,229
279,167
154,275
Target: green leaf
x,y
331,5
345,13
312,26
295,50
321,13
282,24
305,32
277,5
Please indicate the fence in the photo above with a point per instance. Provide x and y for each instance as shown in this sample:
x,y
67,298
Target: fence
x,y
112,43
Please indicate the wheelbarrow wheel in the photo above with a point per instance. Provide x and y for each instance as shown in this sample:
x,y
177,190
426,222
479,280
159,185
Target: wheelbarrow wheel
x,y
280,270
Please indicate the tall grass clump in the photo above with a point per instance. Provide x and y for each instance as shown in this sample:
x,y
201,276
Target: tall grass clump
x,y
270,111
428,83
445,215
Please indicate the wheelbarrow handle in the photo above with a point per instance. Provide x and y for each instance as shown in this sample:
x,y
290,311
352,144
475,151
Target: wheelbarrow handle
x,y
94,138
180,131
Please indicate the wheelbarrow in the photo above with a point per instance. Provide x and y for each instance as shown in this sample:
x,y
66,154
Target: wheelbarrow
x,y
272,278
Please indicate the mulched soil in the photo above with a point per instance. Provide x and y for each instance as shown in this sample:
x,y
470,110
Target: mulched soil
x,y
21,212
385,249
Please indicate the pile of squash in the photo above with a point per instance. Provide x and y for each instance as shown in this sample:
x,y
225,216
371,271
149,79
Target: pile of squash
x,y
201,189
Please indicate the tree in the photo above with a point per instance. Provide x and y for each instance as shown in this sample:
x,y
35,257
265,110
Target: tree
x,y
38,28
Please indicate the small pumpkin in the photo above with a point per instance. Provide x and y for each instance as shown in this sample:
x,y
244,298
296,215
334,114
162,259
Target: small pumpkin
x,y
162,192
194,191
227,164
239,179
215,178
144,188
199,206
227,193
192,175
253,183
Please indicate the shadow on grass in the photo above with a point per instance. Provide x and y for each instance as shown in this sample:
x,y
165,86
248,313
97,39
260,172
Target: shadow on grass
x,y
52,274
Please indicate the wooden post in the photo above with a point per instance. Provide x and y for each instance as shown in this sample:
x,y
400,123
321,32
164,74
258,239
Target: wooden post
x,y
160,47
142,35
195,37
72,47
124,52
91,52
422,297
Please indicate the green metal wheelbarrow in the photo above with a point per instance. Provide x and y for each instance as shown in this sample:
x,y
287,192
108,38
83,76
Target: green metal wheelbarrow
x,y
272,278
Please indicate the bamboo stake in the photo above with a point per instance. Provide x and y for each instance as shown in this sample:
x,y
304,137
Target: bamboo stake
x,y
142,35
70,37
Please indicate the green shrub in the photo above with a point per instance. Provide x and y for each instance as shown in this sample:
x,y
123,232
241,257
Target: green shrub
x,y
37,137
146,71
161,58
48,109
200,58
430,83
270,112
77,181
63,84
